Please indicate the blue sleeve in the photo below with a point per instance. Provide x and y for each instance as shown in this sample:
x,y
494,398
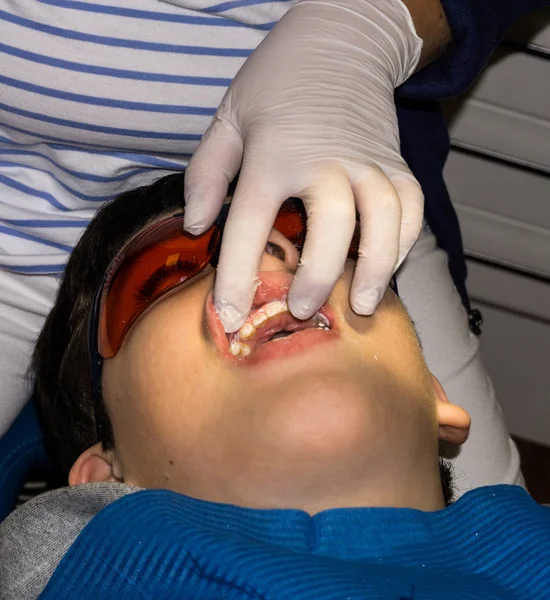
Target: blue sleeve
x,y
477,26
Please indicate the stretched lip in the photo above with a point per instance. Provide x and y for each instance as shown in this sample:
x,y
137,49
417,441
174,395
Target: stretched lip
x,y
271,286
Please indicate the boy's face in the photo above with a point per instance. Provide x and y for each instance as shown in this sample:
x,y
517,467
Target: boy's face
x,y
353,408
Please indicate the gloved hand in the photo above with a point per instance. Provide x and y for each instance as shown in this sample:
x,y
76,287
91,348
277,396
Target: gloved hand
x,y
311,114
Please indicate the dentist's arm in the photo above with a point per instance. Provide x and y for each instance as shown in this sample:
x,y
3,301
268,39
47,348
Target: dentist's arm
x,y
430,22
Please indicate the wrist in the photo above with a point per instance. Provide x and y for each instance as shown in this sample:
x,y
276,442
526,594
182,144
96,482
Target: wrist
x,y
382,31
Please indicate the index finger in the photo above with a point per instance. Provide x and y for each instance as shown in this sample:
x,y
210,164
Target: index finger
x,y
249,223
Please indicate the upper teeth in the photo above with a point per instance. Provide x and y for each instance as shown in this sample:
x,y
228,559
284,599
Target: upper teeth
x,y
247,331
275,308
260,318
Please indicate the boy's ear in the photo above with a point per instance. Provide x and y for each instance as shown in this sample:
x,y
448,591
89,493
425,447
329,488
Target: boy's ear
x,y
94,465
454,421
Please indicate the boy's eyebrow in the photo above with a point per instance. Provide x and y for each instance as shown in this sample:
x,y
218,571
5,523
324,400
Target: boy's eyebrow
x,y
150,285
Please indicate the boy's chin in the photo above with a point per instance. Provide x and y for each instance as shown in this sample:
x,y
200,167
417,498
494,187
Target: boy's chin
x,y
316,417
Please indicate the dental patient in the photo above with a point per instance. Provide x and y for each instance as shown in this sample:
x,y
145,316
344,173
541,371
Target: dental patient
x,y
287,460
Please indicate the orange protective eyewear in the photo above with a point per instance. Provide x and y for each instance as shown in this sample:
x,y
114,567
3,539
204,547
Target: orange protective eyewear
x,y
160,259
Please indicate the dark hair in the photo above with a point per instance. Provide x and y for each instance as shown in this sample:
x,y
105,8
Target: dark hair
x,y
61,364
447,480
61,359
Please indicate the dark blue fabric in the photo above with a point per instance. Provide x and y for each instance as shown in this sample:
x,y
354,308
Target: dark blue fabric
x,y
21,449
493,543
477,26
425,146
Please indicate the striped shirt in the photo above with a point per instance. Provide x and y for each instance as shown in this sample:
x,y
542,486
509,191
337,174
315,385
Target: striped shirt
x,y
97,97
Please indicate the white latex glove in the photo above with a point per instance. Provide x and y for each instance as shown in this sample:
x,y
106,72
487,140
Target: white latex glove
x,y
311,114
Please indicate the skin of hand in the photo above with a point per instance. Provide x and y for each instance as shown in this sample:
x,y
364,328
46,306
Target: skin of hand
x,y
311,114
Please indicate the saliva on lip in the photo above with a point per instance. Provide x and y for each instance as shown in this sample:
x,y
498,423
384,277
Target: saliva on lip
x,y
238,346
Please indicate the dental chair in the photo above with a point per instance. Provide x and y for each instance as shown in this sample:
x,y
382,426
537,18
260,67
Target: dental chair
x,y
22,453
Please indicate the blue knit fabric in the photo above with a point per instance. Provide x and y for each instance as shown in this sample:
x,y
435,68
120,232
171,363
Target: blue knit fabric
x,y
493,543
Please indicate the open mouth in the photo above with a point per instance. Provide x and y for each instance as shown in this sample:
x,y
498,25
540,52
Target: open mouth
x,y
270,331
271,323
